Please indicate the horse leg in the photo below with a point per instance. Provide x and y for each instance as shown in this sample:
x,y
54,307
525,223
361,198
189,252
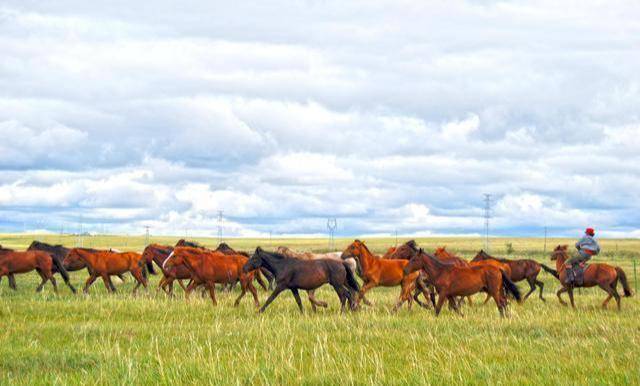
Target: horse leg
x,y
405,293
342,294
90,281
53,283
312,298
243,288
570,291
298,300
313,305
212,292
532,289
107,282
274,294
254,292
441,300
140,279
366,287
454,305
44,280
561,290
12,282
541,286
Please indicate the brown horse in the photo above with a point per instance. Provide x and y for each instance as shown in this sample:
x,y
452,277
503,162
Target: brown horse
x,y
12,262
158,254
210,268
452,281
597,274
520,269
106,263
382,272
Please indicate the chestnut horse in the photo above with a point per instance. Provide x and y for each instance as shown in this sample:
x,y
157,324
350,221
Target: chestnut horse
x,y
158,254
12,262
452,281
58,253
210,268
297,274
596,274
382,272
519,270
106,263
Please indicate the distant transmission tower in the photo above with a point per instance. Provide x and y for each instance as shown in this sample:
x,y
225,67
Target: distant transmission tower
x,y
220,219
146,235
332,224
487,218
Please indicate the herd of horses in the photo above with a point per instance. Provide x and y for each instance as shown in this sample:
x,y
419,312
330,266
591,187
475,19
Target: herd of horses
x,y
441,277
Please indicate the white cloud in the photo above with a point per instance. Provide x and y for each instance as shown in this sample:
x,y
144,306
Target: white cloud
x,y
381,115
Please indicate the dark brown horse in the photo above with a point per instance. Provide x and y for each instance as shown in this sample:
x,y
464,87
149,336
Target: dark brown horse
x,y
297,274
520,269
209,268
597,274
58,253
106,263
452,281
12,262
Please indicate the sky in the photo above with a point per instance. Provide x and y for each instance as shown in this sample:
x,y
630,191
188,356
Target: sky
x,y
391,116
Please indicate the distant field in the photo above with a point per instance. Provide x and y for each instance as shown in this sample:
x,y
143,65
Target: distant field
x,y
119,339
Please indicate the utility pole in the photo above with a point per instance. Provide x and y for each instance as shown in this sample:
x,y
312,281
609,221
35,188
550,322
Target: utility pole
x,y
220,220
332,224
487,217
396,238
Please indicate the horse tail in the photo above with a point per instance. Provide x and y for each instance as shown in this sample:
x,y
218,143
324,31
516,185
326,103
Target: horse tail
x,y
510,286
625,283
150,268
351,280
143,268
550,270
60,268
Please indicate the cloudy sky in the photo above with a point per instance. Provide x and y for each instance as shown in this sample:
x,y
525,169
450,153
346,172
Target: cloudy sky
x,y
388,115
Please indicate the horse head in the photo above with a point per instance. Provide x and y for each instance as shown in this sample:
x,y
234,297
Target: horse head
x,y
354,251
559,251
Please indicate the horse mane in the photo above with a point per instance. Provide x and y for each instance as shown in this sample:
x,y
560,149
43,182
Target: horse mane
x,y
412,244
192,244
435,260
367,249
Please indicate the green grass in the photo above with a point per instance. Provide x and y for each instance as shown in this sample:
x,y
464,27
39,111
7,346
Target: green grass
x,y
118,339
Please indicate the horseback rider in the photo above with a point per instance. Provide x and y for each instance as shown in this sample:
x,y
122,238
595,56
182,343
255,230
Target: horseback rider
x,y
587,247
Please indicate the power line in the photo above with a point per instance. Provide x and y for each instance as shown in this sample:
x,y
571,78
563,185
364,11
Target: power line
x,y
487,218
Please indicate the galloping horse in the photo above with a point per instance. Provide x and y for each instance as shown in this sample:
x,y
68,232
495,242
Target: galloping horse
x,y
210,268
519,270
106,263
597,274
158,254
12,262
58,253
290,253
452,280
382,272
295,274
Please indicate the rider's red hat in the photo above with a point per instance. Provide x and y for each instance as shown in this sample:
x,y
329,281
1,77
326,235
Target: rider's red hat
x,y
590,231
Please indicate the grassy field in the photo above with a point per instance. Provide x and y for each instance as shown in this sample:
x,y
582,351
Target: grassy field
x,y
118,339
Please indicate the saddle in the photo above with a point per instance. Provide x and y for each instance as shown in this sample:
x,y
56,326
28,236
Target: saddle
x,y
575,274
